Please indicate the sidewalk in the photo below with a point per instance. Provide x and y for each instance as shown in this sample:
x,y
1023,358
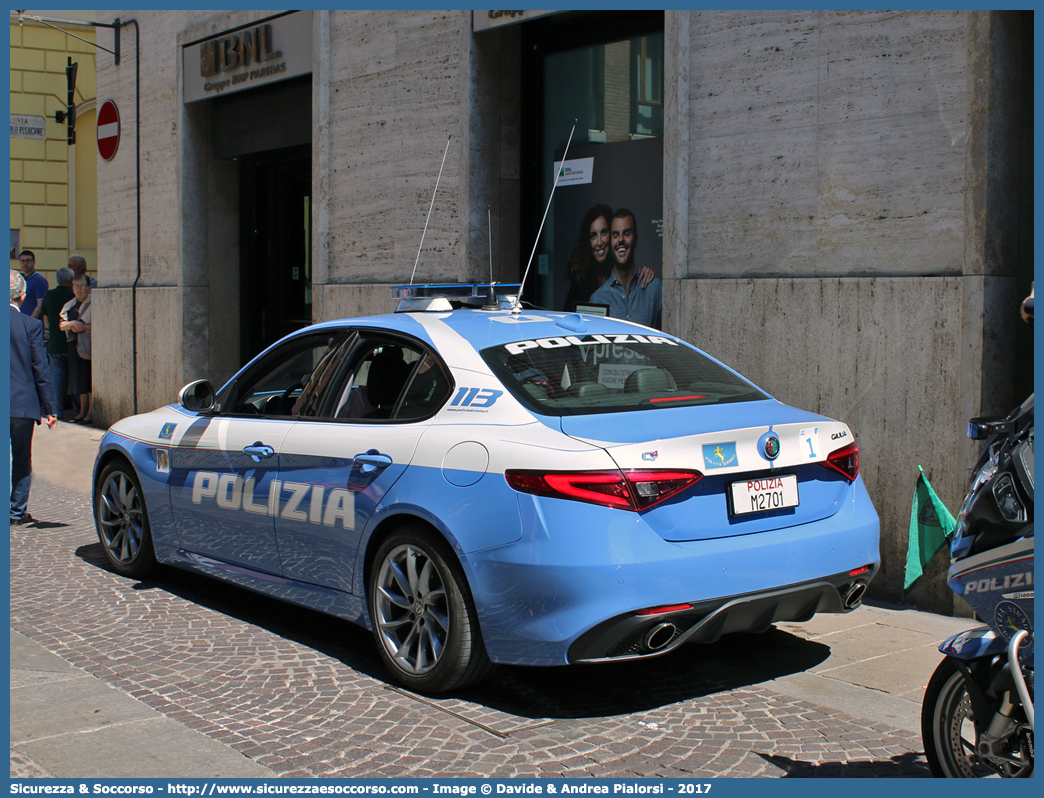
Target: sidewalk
x,y
66,722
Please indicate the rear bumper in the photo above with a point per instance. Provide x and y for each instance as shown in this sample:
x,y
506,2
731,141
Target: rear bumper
x,y
633,636
566,589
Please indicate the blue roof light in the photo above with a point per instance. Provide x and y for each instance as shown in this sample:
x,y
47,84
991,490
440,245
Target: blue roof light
x,y
446,296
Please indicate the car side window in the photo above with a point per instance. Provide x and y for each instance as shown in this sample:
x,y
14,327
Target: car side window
x,y
284,383
391,380
327,373
427,392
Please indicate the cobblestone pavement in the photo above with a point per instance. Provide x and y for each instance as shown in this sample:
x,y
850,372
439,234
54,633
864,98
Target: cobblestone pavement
x,y
306,695
22,767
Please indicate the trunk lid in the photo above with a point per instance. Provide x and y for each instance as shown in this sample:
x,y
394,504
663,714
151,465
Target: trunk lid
x,y
726,443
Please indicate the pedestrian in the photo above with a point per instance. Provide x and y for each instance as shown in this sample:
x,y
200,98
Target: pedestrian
x,y
76,322
35,285
31,398
57,344
79,266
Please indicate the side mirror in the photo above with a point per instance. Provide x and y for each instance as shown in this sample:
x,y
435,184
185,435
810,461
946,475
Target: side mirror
x,y
198,396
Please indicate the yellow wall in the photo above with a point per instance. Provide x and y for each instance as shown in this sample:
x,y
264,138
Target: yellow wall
x,y
47,190
85,207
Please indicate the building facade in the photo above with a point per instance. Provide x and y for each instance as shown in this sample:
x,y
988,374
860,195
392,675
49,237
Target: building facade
x,y
839,203
53,184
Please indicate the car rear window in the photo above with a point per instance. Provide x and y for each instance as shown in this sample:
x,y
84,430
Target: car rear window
x,y
579,375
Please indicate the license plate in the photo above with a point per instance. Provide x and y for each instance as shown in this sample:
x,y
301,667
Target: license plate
x,y
763,494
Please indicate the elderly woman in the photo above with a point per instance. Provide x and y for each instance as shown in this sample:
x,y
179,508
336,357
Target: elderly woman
x,y
76,322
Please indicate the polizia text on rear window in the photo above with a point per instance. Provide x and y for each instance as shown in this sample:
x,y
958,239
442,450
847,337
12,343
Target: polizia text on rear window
x,y
611,373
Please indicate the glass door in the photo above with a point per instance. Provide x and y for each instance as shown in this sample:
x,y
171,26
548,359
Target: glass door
x,y
605,71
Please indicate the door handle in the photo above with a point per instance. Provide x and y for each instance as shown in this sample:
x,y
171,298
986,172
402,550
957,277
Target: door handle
x,y
258,451
372,460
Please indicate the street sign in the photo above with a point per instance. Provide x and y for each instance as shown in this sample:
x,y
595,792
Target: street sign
x,y
28,127
108,130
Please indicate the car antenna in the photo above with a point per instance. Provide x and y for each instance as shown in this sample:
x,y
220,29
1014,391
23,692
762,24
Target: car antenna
x,y
491,294
436,191
518,300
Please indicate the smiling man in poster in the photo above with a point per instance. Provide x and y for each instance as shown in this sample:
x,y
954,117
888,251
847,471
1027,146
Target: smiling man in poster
x,y
626,297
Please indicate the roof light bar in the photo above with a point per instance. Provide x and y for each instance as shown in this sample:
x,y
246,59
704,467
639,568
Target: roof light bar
x,y
435,297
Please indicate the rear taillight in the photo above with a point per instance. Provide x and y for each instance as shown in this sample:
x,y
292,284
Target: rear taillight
x,y
845,461
628,490
652,487
598,487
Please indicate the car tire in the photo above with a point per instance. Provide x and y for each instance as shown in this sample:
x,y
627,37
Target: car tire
x,y
422,614
122,521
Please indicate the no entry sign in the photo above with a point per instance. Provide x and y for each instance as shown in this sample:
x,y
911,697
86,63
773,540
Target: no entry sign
x,y
108,130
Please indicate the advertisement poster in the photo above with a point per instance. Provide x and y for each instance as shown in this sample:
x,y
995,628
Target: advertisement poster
x,y
619,175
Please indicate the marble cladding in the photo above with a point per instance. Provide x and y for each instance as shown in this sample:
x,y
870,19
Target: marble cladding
x,y
492,119
390,119
861,350
160,370
824,143
770,69
349,301
161,114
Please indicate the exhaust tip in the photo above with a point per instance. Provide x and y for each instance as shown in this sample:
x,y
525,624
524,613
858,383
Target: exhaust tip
x,y
854,596
659,636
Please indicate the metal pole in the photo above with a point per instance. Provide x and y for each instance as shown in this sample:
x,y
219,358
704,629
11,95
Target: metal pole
x,y
558,174
436,191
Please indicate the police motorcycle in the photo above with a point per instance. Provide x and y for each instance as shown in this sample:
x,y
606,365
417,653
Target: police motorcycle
x,y
977,718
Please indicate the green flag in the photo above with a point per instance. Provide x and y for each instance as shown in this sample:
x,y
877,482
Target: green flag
x,y
931,525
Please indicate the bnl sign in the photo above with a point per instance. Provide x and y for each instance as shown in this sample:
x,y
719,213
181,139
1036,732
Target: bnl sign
x,y
237,50
268,51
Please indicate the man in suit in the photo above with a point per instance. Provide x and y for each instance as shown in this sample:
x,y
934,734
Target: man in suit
x,y
32,397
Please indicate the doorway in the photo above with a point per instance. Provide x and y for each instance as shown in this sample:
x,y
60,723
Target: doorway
x,y
275,246
605,72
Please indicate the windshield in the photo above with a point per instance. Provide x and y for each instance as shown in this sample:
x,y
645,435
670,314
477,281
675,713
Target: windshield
x,y
578,375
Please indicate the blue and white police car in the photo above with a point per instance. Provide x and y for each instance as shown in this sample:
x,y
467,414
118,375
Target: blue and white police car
x,y
481,484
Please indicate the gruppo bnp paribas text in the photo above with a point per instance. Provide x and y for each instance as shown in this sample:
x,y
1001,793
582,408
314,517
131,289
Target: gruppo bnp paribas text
x,y
236,52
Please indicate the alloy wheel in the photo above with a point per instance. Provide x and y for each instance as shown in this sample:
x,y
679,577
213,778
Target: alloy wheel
x,y
120,517
412,609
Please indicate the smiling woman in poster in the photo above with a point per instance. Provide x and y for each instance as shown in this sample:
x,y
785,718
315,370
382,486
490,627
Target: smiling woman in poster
x,y
589,264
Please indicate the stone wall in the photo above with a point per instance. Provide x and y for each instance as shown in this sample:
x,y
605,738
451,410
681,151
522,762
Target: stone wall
x,y
173,288
819,243
387,94
857,349
160,335
826,143
395,100
848,228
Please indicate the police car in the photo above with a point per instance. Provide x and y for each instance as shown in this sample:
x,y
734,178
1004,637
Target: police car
x,y
477,483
